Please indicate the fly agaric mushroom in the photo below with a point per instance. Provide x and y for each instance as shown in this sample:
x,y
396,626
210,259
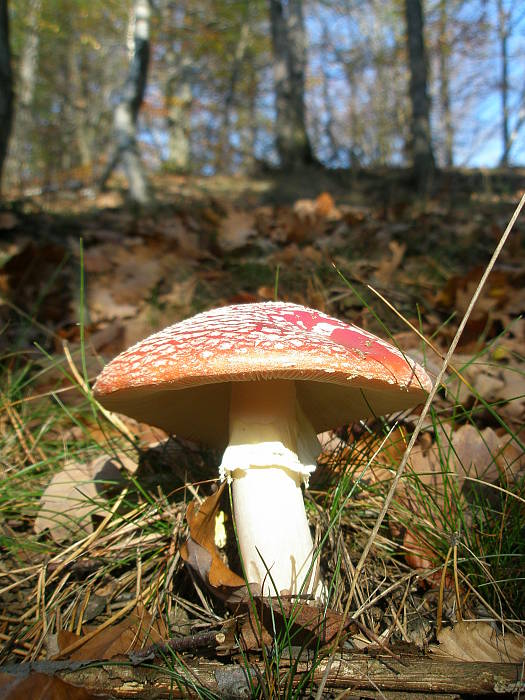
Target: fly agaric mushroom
x,y
259,381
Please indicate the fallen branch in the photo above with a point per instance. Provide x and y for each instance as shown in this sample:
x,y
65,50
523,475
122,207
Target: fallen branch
x,y
409,673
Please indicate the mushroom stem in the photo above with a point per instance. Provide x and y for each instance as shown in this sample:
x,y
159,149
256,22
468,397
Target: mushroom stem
x,y
272,451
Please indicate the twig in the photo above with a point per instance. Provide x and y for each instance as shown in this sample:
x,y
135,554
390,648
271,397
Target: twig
x,y
190,642
417,430
439,612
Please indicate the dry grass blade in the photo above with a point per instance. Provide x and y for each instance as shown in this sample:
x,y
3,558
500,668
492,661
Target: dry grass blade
x,y
111,417
417,430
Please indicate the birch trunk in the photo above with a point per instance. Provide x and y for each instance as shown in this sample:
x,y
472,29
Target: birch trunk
x,y
178,96
125,118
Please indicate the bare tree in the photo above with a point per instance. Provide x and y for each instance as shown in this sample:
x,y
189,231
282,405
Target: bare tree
x,y
289,53
129,101
6,85
503,37
421,142
224,154
444,84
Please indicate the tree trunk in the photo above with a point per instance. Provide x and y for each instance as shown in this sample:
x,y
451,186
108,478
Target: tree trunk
x,y
503,36
126,151
224,151
6,86
444,86
421,144
23,131
77,107
329,125
178,102
289,52
29,58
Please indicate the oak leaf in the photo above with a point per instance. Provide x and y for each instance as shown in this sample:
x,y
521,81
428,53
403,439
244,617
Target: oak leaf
x,y
479,641
73,496
39,686
201,554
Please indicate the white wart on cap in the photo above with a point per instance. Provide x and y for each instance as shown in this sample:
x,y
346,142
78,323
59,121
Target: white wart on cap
x,y
261,380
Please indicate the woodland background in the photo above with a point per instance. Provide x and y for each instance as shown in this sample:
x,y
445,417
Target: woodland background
x,y
231,86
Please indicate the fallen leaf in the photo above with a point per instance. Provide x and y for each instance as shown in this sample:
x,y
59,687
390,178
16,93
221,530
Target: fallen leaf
x,y
180,295
479,641
73,496
306,623
236,230
307,223
486,456
389,265
201,553
134,632
324,204
493,381
38,686
103,305
310,622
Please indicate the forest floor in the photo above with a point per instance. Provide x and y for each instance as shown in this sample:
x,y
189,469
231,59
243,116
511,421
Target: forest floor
x,y
96,574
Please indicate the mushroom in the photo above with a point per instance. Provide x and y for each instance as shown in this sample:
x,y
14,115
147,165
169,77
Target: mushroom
x,y
260,381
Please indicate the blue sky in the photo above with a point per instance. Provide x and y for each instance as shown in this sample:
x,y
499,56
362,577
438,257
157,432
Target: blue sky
x,y
475,66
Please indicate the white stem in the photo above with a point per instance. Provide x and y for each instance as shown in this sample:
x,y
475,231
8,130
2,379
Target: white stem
x,y
272,451
273,531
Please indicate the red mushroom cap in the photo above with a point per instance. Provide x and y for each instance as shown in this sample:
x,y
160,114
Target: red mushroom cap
x,y
178,379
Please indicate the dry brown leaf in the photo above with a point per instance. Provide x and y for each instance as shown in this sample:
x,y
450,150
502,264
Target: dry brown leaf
x,y
307,223
458,291
353,215
419,554
236,230
389,265
424,465
134,632
73,496
253,634
484,455
306,623
180,295
491,380
38,686
103,305
325,205
97,259
479,641
310,621
200,551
